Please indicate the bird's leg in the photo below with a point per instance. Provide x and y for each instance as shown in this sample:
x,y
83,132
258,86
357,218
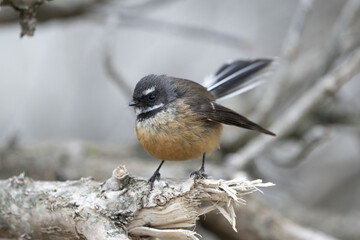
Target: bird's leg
x,y
156,175
201,172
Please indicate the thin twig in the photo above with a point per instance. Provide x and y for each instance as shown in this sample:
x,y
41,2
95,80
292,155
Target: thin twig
x,y
144,5
289,52
328,85
182,30
347,15
293,37
113,73
312,140
289,81
116,77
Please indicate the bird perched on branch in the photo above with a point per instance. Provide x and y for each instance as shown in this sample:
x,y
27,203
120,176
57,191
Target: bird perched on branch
x,y
178,119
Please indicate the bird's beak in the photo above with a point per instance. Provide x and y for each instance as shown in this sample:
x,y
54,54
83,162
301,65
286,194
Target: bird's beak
x,y
133,103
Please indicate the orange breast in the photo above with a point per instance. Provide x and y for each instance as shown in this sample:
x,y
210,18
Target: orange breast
x,y
178,134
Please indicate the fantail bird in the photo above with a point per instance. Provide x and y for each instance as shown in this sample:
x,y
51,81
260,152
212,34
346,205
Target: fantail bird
x,y
178,119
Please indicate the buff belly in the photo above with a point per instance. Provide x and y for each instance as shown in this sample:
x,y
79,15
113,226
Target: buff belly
x,y
178,137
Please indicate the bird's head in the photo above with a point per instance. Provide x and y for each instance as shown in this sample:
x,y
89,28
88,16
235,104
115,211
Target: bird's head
x,y
152,94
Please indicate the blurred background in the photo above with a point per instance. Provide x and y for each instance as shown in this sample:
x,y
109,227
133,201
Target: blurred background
x,y
64,97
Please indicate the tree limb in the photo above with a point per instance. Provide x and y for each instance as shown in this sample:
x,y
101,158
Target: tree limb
x,y
326,86
288,82
28,10
123,207
292,39
256,221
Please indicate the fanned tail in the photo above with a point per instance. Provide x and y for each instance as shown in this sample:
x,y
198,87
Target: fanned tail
x,y
237,77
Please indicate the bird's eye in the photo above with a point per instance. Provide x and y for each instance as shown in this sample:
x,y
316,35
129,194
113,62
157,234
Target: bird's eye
x,y
151,97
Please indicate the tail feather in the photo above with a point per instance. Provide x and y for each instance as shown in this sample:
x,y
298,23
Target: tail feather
x,y
237,77
227,116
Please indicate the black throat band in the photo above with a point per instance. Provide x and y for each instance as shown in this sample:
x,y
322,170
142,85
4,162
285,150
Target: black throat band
x,y
147,115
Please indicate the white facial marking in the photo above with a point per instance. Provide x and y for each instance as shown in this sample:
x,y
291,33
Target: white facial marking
x,y
212,105
139,111
149,90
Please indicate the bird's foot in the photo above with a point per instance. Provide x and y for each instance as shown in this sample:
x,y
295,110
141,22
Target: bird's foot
x,y
200,174
154,177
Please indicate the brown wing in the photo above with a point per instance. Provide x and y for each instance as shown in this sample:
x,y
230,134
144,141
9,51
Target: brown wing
x,y
203,102
227,116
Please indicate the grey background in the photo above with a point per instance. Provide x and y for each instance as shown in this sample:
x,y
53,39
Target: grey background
x,y
54,85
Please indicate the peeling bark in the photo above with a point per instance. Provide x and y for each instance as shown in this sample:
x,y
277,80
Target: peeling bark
x,y
123,207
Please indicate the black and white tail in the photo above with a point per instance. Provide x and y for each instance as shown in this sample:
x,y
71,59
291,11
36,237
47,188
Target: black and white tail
x,y
237,77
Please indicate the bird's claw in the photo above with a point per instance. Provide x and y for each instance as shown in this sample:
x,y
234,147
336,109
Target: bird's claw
x,y
200,174
154,177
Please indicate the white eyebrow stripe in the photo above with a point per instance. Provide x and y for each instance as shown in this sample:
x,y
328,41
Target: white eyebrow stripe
x,y
139,111
149,90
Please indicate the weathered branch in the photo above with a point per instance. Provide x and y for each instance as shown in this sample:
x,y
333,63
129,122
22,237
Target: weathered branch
x,y
289,52
313,138
292,39
350,11
289,81
256,221
339,224
121,208
126,17
328,85
28,10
